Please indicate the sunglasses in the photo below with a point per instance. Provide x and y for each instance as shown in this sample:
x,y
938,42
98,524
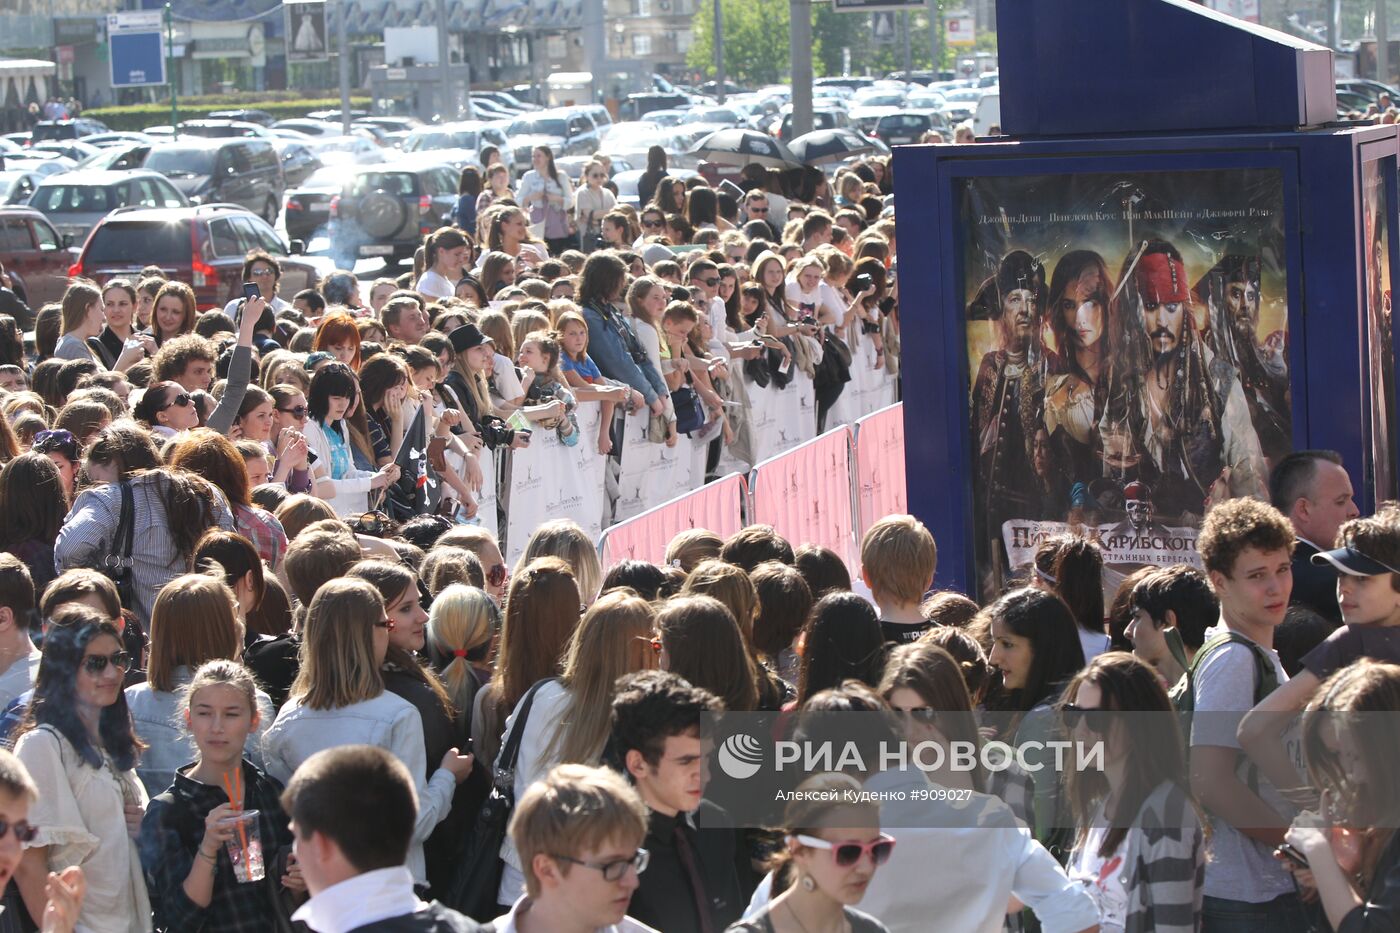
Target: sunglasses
x,y
1075,716
299,412
613,871
388,625
709,283
97,663
56,441
758,210
649,224
24,832
849,853
497,575
923,714
180,400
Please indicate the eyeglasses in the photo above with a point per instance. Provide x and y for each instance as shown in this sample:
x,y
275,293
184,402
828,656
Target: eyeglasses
x,y
650,224
923,714
709,283
181,399
97,663
497,575
849,853
24,832
758,210
262,273
298,413
613,871
387,625
1075,716
596,175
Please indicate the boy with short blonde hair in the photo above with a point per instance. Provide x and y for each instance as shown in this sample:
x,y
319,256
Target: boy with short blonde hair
x,y
579,833
898,559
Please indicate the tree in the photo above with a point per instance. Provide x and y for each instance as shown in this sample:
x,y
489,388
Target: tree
x,y
756,40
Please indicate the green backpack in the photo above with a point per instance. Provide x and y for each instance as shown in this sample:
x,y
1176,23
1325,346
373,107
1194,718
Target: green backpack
x,y
1183,695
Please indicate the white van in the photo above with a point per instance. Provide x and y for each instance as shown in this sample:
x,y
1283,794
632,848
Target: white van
x,y
988,113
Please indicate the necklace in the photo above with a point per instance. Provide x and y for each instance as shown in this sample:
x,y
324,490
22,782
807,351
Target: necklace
x,y
792,910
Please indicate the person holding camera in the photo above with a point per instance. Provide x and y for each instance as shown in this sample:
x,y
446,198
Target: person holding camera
x,y
473,352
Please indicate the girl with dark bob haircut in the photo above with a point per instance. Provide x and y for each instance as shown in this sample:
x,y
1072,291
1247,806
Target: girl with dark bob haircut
x,y
843,642
333,379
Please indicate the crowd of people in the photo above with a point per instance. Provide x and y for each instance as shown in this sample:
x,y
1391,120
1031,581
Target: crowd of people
x,y
263,662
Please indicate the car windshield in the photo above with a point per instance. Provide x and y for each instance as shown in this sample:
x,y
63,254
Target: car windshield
x,y
74,199
897,122
54,131
538,128
441,140
181,161
139,243
389,182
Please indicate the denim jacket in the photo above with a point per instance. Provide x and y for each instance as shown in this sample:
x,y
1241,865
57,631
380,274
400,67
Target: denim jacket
x,y
613,345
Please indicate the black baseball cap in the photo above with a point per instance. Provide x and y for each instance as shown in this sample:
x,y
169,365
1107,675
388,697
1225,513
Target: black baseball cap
x,y
1352,562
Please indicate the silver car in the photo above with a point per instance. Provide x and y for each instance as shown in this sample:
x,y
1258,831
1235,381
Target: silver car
x,y
75,201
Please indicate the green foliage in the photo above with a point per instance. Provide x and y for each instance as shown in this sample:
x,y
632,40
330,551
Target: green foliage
x,y
140,116
756,40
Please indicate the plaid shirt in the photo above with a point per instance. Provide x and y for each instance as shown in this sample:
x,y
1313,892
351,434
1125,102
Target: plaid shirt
x,y
264,530
170,836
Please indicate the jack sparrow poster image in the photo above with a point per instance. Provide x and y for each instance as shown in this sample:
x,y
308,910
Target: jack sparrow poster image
x,y
1127,341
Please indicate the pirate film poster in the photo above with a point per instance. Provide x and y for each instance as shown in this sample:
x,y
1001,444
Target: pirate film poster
x,y
1127,358
1376,259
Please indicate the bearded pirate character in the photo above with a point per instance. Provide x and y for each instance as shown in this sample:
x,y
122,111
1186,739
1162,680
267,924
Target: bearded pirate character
x,y
1007,398
1174,419
1231,292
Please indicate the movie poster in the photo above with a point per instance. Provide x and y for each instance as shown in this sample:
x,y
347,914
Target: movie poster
x,y
1127,340
1382,353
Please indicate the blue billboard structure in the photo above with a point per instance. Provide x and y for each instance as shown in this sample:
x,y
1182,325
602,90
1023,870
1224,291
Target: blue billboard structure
x,y
1174,271
137,50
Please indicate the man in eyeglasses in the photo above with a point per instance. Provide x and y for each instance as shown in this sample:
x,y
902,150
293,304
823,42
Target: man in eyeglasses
x,y
653,222
352,812
579,833
758,207
692,883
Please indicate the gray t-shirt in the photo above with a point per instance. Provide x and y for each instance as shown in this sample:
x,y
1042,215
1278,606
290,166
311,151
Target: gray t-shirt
x,y
1238,868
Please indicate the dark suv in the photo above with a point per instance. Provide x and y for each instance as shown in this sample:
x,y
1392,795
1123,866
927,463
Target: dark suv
x,y
204,246
242,171
386,210
66,129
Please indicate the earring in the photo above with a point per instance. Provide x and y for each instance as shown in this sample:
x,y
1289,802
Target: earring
x,y
808,884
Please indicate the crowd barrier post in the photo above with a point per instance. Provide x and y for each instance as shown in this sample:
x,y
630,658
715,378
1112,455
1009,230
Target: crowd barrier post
x,y
879,467
716,507
805,494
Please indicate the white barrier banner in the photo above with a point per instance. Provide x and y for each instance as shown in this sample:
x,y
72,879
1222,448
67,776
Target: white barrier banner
x,y
551,480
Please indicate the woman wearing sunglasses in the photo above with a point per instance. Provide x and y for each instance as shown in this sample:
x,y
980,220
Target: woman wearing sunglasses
x,y
78,743
168,409
833,849
1139,829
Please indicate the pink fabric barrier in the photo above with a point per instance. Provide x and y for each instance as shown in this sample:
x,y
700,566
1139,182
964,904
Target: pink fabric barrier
x,y
717,507
805,494
880,466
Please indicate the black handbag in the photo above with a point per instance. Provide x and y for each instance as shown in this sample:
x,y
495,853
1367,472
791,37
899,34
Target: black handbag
x,y
690,415
479,866
118,564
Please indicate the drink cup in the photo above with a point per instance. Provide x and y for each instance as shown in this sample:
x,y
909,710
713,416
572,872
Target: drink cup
x,y
245,846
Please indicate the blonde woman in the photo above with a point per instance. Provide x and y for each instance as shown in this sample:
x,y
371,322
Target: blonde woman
x,y
463,626
572,716
339,698
565,540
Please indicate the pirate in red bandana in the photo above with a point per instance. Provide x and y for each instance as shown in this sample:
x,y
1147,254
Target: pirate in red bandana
x,y
1174,420
1231,291
1007,402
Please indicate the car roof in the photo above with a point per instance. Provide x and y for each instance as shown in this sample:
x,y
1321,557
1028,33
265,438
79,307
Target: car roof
x,y
95,176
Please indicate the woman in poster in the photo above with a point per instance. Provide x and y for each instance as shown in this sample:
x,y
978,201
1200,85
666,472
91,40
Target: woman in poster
x,y
1088,343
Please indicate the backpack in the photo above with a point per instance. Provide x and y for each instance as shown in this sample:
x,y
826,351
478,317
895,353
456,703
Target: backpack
x,y
1183,695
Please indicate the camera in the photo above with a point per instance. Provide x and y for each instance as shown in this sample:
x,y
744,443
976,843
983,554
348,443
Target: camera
x,y
495,432
807,320
862,282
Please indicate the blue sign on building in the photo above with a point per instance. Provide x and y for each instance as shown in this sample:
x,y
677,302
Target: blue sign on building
x,y
137,53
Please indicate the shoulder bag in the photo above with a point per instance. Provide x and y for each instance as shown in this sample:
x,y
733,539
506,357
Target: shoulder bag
x,y
118,564
479,866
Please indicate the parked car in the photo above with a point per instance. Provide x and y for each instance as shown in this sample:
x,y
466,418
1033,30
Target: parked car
x,y
627,183
34,255
564,132
307,210
17,186
66,129
309,126
467,137
333,116
988,113
204,246
346,150
821,120
298,161
385,210
242,171
68,148
75,201
392,124
723,116
41,163
260,117
899,129
111,140
113,158
666,117
219,129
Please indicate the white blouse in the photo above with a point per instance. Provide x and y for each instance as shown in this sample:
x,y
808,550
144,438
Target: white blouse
x,y
81,821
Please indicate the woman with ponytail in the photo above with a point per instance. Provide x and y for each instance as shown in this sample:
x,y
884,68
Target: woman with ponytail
x,y
446,253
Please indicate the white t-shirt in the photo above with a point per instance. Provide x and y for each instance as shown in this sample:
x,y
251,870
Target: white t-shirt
x,y
1103,878
814,302
504,380
435,285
